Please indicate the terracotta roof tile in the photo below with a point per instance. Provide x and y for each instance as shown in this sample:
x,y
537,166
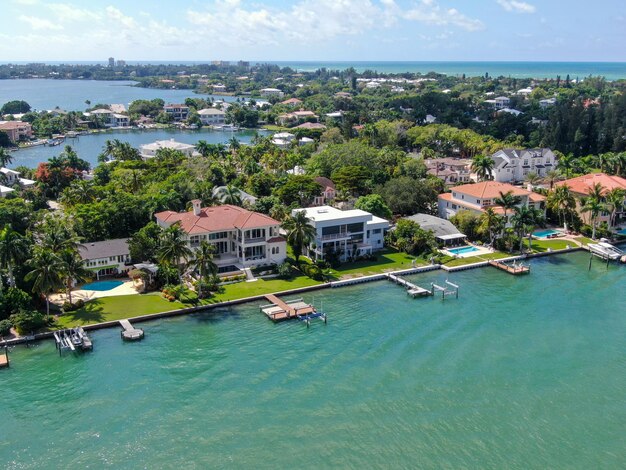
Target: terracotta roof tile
x,y
216,218
582,184
490,189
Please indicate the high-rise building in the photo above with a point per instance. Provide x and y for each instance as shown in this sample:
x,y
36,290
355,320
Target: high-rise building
x,y
111,62
121,63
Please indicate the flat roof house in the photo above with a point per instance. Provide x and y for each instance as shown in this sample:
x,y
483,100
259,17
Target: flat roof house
x,y
479,196
212,117
242,238
349,233
179,112
108,257
150,150
445,232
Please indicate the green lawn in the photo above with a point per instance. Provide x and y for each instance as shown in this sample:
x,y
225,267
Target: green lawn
x,y
477,259
540,246
241,290
117,308
275,128
583,240
386,260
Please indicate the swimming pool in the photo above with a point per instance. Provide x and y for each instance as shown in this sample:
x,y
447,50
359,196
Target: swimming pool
x,y
545,233
102,285
462,250
622,232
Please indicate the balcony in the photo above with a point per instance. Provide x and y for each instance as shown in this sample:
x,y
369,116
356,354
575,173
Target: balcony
x,y
336,236
254,240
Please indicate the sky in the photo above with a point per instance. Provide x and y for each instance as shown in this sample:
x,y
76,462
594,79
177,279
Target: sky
x,y
313,30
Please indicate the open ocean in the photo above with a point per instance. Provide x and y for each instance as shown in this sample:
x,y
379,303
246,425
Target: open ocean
x,y
609,70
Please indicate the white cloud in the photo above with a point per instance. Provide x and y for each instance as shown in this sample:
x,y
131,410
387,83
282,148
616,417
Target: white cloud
x,y
429,12
39,23
516,6
67,12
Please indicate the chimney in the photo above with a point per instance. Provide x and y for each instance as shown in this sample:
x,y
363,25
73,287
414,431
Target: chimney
x,y
196,206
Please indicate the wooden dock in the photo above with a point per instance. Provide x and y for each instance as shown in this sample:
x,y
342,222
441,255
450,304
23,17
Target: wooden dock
x,y
129,332
279,310
515,269
4,359
411,289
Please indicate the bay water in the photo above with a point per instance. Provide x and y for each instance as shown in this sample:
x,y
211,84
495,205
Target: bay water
x,y
519,372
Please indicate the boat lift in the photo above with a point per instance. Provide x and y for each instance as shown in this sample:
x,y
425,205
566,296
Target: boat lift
x,y
448,289
307,317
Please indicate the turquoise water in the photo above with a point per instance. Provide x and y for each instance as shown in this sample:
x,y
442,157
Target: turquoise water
x,y
102,285
71,94
462,250
519,372
609,70
90,146
545,233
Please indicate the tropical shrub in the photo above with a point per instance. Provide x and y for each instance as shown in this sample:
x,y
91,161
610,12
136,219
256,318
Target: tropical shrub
x,y
5,327
26,321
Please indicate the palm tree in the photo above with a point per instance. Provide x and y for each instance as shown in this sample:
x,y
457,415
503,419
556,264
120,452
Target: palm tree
x,y
524,220
174,248
508,201
300,232
57,234
595,207
5,157
482,165
73,270
13,250
230,195
203,262
491,223
532,178
566,163
615,201
552,177
46,274
561,200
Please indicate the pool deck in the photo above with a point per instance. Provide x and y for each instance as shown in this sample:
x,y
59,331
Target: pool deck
x,y
478,250
128,288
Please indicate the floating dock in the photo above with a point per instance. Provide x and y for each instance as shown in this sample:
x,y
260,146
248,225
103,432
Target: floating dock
x,y
4,358
129,332
514,268
411,289
279,310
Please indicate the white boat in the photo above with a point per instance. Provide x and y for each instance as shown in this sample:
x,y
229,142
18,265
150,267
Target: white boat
x,y
229,127
605,250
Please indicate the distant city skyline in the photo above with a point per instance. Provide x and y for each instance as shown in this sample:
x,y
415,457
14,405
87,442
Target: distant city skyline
x,y
310,30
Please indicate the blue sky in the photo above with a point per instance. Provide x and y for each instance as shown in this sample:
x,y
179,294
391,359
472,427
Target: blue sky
x,y
533,30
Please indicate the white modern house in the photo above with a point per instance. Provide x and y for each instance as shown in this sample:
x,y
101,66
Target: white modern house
x,y
179,112
268,92
283,139
109,118
348,233
241,238
212,117
150,150
512,165
501,102
478,197
12,178
107,257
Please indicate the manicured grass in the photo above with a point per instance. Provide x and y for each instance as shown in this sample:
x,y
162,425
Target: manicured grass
x,y
117,308
583,240
386,260
241,290
477,259
539,246
275,128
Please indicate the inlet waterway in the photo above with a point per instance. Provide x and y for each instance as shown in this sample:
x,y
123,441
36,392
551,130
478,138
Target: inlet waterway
x,y
519,372
88,147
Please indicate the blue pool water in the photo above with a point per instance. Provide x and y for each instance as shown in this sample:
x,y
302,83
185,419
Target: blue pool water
x,y
462,250
545,233
622,232
102,285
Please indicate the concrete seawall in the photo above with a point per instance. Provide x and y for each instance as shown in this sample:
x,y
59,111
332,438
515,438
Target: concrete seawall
x,y
341,283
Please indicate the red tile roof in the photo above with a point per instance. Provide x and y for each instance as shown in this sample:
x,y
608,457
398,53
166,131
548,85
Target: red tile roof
x,y
216,219
490,189
583,184
276,240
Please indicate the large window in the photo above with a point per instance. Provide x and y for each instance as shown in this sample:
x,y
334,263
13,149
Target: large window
x,y
218,235
255,233
352,228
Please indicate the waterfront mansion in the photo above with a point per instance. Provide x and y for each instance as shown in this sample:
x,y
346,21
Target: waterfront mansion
x,y
348,233
242,238
479,196
511,165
